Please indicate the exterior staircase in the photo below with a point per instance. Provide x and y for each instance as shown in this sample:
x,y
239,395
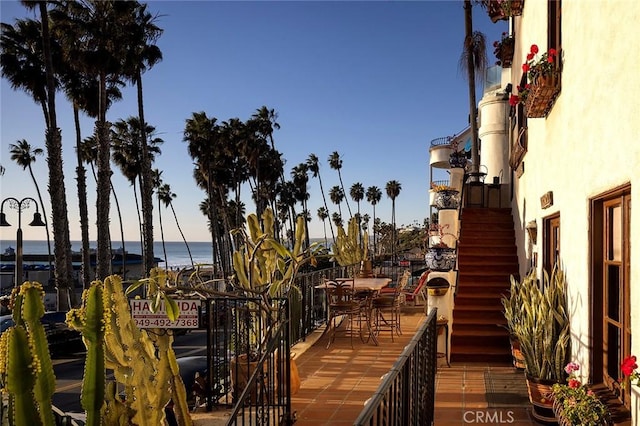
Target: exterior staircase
x,y
486,259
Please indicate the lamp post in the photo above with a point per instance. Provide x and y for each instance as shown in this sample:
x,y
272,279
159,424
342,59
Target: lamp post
x,y
37,221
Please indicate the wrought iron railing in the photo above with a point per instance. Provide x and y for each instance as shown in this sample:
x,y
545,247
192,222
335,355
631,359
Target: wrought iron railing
x,y
406,396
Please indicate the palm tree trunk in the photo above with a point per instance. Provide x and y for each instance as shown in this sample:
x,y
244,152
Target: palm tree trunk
x,y
124,251
46,221
175,216
468,25
164,247
82,203
324,199
147,187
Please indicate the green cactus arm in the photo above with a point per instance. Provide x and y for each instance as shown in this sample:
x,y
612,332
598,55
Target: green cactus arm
x,y
93,384
20,379
178,390
45,381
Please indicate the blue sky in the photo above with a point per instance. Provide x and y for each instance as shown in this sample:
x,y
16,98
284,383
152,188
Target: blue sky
x,y
375,81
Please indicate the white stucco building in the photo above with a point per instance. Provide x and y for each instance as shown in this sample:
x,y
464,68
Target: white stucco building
x,y
574,171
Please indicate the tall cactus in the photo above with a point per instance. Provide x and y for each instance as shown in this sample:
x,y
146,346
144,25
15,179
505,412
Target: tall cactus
x,y
144,364
89,320
25,362
349,248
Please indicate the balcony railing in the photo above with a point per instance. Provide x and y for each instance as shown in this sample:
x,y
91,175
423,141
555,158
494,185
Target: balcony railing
x,y
406,396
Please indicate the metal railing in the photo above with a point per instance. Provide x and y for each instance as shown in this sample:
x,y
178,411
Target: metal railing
x,y
248,352
406,396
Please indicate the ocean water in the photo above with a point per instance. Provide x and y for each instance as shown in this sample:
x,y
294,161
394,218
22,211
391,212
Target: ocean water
x,y
177,254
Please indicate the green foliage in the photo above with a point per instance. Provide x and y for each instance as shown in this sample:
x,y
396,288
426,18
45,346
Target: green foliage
x,y
543,325
143,362
351,247
26,370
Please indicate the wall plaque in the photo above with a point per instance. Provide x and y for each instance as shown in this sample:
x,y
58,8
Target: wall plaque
x,y
546,200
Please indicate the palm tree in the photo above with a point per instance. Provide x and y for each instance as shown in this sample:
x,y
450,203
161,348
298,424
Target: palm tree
x,y
82,91
357,194
143,54
336,194
336,163
473,59
300,180
393,190
314,168
336,218
97,35
374,195
323,214
166,196
24,156
26,61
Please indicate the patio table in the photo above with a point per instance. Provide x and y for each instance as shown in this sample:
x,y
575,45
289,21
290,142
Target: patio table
x,y
367,286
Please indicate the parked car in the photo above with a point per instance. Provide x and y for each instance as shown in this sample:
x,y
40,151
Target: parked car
x,y
62,339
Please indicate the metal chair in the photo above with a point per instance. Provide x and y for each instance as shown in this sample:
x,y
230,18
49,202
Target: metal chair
x,y
342,306
386,308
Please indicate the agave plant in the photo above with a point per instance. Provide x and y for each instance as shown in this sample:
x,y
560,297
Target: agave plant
x,y
543,325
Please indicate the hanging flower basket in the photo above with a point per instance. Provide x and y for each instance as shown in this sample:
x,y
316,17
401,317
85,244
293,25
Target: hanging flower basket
x,y
458,159
501,10
542,95
504,50
440,258
448,199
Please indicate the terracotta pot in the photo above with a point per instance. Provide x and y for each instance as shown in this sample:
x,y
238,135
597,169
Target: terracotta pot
x,y
541,398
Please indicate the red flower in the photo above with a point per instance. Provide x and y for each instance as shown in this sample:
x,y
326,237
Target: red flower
x,y
628,365
574,384
514,100
530,56
553,52
550,59
534,48
525,67
495,44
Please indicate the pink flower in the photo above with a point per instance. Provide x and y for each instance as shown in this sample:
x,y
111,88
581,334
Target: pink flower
x,y
572,367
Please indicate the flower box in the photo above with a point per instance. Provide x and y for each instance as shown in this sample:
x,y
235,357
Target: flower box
x,y
504,52
501,10
542,95
440,258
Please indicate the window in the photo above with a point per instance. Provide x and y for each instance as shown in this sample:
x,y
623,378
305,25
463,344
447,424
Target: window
x,y
551,248
610,287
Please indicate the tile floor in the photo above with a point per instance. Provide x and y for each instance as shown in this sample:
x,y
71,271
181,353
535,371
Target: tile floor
x,y
336,382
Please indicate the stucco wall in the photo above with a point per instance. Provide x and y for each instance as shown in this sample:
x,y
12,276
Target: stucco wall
x,y
589,143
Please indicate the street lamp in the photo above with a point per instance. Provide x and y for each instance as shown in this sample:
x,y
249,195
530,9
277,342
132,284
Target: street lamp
x,y
37,221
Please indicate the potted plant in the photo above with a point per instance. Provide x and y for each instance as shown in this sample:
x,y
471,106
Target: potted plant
x,y
439,256
446,197
513,312
544,336
575,404
544,79
503,50
457,158
265,271
500,10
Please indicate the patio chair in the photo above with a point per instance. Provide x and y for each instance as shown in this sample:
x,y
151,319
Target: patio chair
x,y
415,292
386,308
342,306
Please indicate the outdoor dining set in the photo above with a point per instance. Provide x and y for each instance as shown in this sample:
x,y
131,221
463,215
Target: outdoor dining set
x,y
366,306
